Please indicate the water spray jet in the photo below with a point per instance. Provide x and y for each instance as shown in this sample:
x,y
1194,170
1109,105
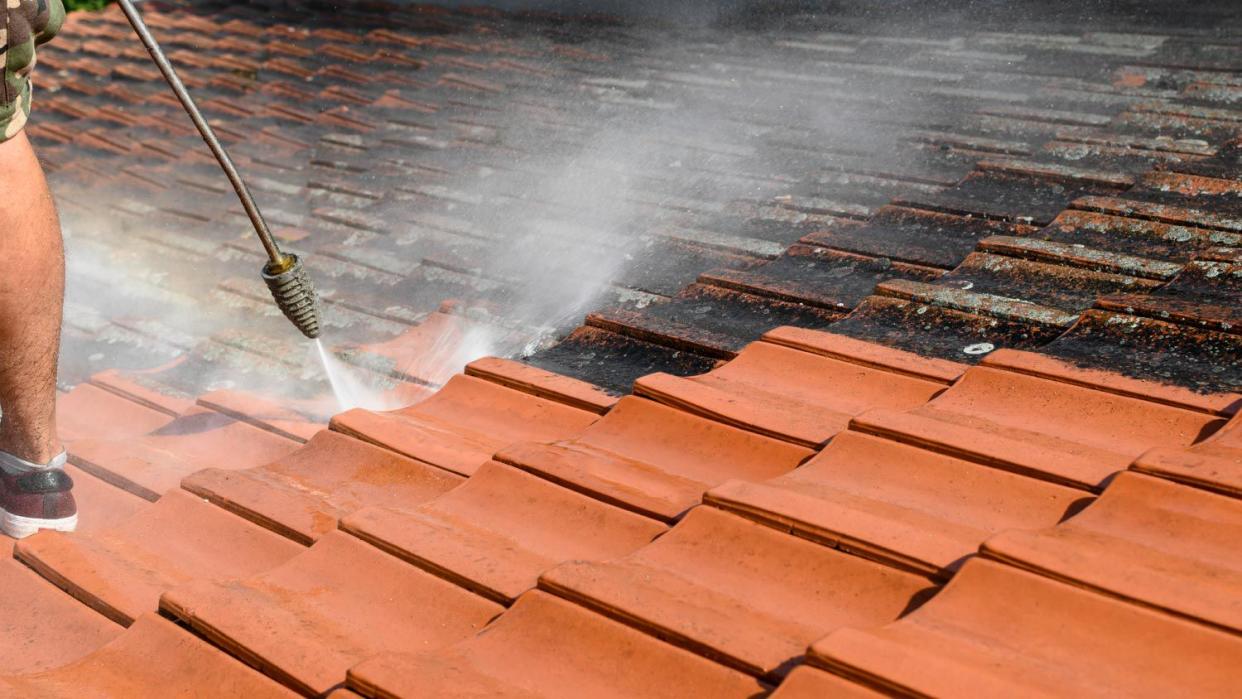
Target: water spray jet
x,y
284,274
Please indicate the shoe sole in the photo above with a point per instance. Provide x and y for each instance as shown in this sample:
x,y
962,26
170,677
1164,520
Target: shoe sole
x,y
20,527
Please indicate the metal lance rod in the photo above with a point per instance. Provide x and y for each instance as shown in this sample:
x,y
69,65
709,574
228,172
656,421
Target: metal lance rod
x,y
284,274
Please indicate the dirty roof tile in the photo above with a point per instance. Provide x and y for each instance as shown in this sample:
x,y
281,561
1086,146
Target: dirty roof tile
x,y
613,361
737,592
335,604
302,495
464,423
151,658
1145,540
121,571
996,629
496,533
653,459
1048,429
896,503
788,394
546,646
198,438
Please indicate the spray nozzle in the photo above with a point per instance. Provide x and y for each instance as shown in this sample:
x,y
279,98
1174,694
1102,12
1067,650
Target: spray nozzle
x,y
295,295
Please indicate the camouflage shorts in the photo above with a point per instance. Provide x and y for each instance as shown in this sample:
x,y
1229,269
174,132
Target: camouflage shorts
x,y
24,24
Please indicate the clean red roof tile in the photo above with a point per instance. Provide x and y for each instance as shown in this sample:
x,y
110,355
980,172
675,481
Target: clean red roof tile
x,y
464,423
653,459
153,658
496,533
336,604
114,381
866,353
41,627
1214,463
548,647
101,505
788,394
806,682
892,502
738,592
1147,540
1050,429
265,414
1059,370
302,495
542,383
995,630
90,412
156,462
121,571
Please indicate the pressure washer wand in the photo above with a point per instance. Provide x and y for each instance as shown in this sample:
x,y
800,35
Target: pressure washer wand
x,y
285,277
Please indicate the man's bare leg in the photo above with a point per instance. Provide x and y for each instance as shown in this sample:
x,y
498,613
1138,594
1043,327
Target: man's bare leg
x,y
32,287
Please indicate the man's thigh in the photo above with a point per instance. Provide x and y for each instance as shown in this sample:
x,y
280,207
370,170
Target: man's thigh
x,y
26,24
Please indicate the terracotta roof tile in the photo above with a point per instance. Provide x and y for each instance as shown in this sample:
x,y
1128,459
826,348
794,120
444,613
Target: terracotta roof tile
x,y
464,423
548,646
198,438
1146,540
1048,429
338,603
1214,463
653,459
745,595
152,658
806,682
888,501
89,412
302,495
997,629
781,392
122,570
496,533
43,627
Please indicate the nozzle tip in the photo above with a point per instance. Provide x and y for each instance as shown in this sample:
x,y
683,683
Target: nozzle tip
x,y
295,295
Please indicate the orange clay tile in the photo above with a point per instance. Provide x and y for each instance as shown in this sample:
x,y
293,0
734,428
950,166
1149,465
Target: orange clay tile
x,y
866,353
153,659
338,603
1054,430
1146,540
101,505
262,413
496,533
464,423
121,571
1049,367
785,393
1215,463
542,383
548,647
806,682
112,380
995,630
89,412
739,593
899,504
200,438
653,459
302,495
41,627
